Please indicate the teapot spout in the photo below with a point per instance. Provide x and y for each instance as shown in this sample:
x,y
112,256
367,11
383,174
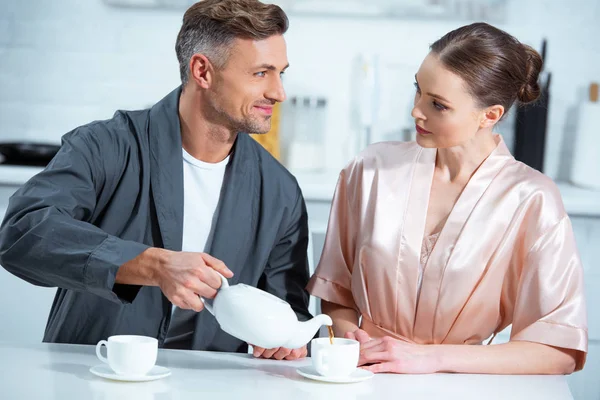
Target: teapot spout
x,y
305,331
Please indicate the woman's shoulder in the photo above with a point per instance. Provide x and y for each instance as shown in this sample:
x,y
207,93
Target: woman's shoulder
x,y
382,162
385,154
391,149
537,192
532,181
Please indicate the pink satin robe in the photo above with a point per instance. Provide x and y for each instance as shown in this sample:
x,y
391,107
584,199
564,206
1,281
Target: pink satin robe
x,y
506,253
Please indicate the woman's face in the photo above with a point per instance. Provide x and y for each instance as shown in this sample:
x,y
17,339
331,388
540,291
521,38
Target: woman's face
x,y
445,114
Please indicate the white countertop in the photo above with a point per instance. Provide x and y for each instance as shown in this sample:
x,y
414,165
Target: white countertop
x,y
59,371
16,175
321,186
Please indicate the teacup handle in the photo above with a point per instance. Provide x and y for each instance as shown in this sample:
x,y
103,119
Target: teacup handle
x,y
321,361
99,353
224,285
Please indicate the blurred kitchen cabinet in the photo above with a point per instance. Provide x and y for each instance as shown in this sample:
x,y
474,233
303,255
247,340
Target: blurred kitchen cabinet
x,y
489,10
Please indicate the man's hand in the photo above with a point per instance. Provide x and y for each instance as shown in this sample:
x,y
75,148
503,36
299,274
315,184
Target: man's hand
x,y
184,276
280,353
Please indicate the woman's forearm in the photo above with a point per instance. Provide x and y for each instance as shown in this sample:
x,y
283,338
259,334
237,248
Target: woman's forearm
x,y
344,319
510,358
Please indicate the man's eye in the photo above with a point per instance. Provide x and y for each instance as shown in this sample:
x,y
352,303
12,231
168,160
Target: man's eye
x,y
260,74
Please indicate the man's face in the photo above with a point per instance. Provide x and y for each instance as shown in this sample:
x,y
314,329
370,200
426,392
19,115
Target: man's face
x,y
244,92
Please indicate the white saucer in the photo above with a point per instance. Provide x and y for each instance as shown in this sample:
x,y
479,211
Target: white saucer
x,y
358,375
105,371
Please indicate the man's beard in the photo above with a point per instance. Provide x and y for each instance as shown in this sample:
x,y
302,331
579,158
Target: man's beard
x,y
242,125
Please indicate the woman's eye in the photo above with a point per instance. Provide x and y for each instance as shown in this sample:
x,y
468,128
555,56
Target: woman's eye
x,y
439,106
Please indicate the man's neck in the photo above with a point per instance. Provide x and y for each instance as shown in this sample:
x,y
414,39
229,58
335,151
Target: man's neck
x,y
202,139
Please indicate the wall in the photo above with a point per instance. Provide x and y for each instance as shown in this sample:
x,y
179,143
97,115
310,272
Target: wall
x,y
64,63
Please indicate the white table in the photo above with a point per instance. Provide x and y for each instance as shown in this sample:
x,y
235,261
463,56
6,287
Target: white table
x,y
55,371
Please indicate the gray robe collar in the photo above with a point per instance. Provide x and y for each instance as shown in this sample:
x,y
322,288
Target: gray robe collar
x,y
240,194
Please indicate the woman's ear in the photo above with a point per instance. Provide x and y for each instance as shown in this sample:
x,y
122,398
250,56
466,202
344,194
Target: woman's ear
x,y
491,115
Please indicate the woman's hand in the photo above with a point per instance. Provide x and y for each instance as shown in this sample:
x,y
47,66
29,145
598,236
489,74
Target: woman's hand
x,y
392,355
359,334
516,357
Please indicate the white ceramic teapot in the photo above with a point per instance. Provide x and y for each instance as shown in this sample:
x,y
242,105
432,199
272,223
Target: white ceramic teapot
x,y
261,319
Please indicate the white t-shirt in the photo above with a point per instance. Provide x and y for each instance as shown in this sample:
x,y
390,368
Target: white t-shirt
x,y
202,184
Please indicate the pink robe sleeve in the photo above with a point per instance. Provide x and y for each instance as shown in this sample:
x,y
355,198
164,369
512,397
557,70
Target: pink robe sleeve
x,y
332,278
550,304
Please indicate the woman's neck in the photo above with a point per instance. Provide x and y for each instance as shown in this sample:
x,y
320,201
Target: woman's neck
x,y
460,162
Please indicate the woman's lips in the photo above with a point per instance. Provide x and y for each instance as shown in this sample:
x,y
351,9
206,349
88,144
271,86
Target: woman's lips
x,y
422,131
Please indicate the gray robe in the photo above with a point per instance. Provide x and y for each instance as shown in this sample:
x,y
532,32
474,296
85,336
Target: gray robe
x,y
114,189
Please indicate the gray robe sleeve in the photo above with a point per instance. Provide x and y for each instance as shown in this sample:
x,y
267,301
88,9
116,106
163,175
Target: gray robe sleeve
x,y
46,237
286,274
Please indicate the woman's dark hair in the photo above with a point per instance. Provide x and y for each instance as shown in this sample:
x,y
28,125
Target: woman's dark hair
x,y
497,68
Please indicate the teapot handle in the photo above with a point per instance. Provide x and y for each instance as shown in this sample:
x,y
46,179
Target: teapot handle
x,y
224,285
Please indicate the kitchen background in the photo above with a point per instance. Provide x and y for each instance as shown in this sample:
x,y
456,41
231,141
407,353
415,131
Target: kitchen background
x,y
64,63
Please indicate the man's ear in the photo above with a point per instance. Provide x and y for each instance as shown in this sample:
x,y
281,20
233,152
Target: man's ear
x,y
201,70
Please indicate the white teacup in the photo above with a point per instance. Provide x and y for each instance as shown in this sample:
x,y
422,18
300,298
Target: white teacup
x,y
129,354
335,360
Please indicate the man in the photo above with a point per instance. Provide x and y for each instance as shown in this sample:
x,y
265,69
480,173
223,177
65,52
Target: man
x,y
107,220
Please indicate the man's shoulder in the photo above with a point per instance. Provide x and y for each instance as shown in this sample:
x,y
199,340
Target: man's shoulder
x,y
124,128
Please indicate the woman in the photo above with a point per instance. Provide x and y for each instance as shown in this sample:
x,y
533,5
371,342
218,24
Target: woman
x,y
445,242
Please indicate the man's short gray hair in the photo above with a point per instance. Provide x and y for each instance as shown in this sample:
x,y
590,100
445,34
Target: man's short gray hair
x,y
210,27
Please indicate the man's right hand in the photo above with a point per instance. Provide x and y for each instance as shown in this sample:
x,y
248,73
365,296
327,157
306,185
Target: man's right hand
x,y
182,276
